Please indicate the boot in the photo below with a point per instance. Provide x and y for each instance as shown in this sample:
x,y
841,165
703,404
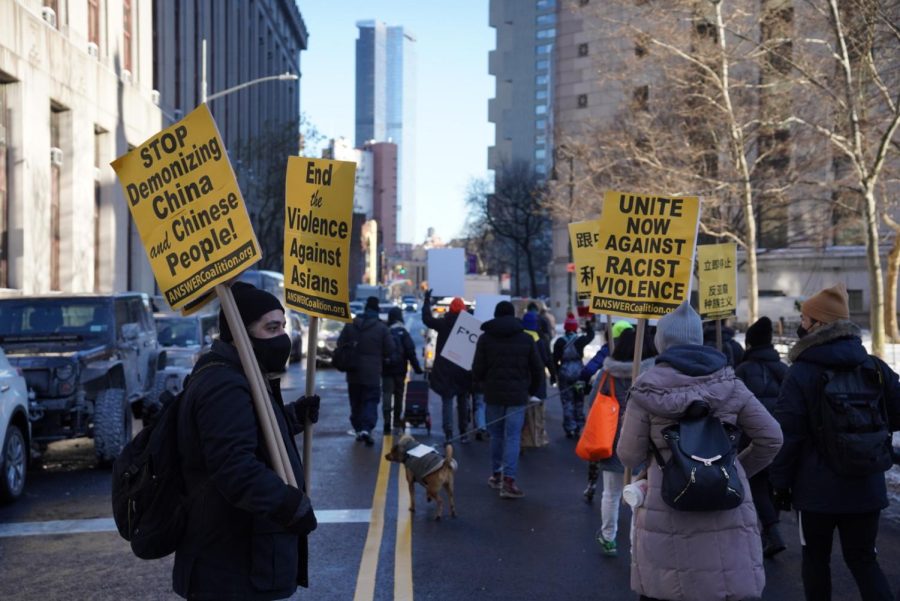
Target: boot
x,y
773,544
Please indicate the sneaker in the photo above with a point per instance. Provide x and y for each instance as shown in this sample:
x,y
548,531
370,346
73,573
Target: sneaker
x,y
481,434
366,438
359,436
608,547
773,544
509,490
589,492
570,433
495,481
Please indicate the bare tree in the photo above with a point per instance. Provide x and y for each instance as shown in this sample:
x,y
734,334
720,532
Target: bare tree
x,y
515,214
849,68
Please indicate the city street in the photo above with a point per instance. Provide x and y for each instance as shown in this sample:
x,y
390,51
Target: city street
x,y
58,542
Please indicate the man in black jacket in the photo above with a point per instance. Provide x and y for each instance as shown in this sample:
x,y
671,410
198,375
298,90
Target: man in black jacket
x,y
373,344
806,474
393,377
509,370
245,536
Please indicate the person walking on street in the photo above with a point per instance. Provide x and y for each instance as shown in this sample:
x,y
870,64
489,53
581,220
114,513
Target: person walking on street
x,y
568,351
373,343
831,469
762,371
246,530
393,379
544,329
448,380
508,368
616,374
725,557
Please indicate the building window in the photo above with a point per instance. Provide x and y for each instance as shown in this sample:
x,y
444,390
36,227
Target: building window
x,y
540,140
546,19
540,124
540,95
584,2
544,48
546,4
54,6
540,109
640,45
56,159
540,154
582,49
640,97
542,65
855,301
545,34
582,101
126,34
541,168
94,21
4,186
542,80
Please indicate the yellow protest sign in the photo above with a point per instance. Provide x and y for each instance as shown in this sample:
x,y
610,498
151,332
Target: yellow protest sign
x,y
646,254
717,273
584,236
317,227
189,212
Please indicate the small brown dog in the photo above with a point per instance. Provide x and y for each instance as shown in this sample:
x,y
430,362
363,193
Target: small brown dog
x,y
427,467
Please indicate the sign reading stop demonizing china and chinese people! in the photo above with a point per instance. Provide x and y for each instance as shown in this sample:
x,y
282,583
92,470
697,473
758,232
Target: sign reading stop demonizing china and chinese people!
x,y
646,254
584,236
317,226
188,208
717,274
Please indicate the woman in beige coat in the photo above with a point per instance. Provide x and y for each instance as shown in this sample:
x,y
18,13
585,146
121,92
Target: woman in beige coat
x,y
681,555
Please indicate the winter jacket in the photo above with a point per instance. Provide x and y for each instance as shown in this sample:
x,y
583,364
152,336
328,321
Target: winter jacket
x,y
731,348
374,344
686,555
408,351
620,371
506,364
447,378
579,341
595,364
800,467
239,542
762,372
544,354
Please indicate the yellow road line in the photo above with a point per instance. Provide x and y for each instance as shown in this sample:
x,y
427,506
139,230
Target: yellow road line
x,y
368,566
403,582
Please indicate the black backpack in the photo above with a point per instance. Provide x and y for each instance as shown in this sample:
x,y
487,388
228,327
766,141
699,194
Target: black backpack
x,y
849,422
346,355
701,474
149,497
397,358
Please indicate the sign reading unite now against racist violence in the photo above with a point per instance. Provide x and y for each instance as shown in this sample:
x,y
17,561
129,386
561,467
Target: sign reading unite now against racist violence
x,y
317,227
188,209
646,254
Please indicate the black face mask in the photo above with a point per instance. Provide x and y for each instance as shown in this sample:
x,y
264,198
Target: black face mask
x,y
272,353
801,331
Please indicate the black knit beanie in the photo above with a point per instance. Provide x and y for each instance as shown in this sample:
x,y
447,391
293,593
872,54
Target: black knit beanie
x,y
760,333
504,308
252,303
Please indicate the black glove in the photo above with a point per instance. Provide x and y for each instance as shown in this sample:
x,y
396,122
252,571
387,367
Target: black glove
x,y
427,298
304,520
307,407
782,498
419,371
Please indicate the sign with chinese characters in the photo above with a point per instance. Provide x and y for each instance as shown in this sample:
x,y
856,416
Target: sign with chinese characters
x,y
584,236
717,274
646,249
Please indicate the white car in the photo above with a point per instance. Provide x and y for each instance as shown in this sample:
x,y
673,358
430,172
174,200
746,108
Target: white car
x,y
15,431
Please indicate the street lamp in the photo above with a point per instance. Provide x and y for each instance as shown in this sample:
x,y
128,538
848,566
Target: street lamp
x,y
286,76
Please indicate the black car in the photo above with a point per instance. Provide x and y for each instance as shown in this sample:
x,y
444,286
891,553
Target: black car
x,y
90,362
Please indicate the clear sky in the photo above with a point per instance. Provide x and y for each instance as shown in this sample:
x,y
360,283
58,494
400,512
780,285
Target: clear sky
x,y
452,91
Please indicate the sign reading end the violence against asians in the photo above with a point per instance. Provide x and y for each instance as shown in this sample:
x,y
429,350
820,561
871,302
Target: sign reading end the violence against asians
x,y
317,229
584,236
646,254
188,209
717,274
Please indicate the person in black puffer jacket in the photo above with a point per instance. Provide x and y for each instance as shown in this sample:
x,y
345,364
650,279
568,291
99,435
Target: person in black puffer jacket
x,y
245,532
731,348
508,368
762,372
393,376
804,477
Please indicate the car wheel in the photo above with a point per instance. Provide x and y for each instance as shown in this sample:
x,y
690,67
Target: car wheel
x,y
13,464
112,425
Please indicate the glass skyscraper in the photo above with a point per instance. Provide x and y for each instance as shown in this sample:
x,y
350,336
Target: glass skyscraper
x,y
385,105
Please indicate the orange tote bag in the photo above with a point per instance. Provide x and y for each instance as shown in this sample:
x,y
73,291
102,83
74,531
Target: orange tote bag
x,y
599,432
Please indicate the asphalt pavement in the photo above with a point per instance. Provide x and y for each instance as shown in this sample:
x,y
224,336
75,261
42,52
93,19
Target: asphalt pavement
x,y
540,547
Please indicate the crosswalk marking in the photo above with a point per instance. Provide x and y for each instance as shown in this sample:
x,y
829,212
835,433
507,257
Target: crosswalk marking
x,y
86,526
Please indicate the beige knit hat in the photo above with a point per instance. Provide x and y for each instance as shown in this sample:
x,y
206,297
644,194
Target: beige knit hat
x,y
831,304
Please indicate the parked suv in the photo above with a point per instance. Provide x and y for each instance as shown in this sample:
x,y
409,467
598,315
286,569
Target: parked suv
x,y
15,431
89,360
